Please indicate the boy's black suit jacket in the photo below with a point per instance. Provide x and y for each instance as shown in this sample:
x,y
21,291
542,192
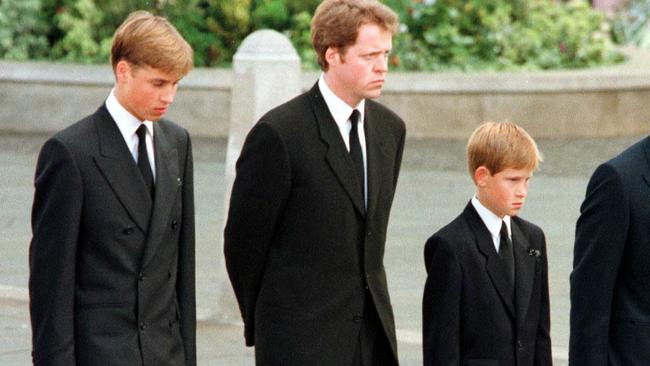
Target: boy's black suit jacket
x,y
469,314
300,247
111,272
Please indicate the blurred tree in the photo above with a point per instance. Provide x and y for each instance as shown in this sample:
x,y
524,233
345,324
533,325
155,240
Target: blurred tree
x,y
434,34
82,41
24,39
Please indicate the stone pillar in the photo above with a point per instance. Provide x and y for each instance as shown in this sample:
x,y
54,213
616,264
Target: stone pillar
x,y
266,74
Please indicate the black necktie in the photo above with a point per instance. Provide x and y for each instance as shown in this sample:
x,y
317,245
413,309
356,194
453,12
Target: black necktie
x,y
143,159
505,252
355,150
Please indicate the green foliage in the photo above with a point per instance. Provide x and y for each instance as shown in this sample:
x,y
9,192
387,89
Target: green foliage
x,y
632,24
273,14
81,42
502,34
300,36
24,39
435,35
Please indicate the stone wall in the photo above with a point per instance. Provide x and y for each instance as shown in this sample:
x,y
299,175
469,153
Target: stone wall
x,y
46,97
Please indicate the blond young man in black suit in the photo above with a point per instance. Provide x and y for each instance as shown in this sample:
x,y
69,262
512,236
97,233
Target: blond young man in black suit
x,y
486,295
304,241
112,254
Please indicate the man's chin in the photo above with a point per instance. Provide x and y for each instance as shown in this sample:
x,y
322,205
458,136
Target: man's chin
x,y
514,212
156,116
373,94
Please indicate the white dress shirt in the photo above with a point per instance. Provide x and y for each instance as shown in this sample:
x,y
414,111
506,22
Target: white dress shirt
x,y
128,125
492,221
341,112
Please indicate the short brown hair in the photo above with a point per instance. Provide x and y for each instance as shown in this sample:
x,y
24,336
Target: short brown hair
x,y
336,24
145,39
499,146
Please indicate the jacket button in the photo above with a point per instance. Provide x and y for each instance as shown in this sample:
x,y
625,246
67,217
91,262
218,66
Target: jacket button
x,y
520,345
143,326
357,318
141,276
128,230
369,234
174,224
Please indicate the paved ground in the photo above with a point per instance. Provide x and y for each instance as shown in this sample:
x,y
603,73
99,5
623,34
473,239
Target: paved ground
x,y
433,189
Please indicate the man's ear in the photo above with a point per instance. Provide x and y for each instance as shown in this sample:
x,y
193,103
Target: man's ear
x,y
481,176
333,56
122,71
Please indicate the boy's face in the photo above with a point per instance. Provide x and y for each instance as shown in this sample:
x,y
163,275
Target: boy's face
x,y
358,71
144,91
503,193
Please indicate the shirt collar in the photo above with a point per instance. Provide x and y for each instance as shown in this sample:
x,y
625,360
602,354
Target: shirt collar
x,y
339,109
491,221
126,122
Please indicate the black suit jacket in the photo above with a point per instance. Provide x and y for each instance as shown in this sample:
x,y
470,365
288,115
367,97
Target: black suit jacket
x,y
469,316
299,246
610,282
111,273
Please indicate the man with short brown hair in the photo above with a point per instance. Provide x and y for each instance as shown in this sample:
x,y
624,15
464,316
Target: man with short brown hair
x,y
306,230
112,255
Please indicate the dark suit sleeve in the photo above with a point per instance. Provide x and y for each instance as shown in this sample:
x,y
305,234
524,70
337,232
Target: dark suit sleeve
x,y
186,285
600,240
56,215
258,196
441,304
543,348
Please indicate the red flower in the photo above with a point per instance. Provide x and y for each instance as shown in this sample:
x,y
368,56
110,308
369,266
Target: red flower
x,y
394,60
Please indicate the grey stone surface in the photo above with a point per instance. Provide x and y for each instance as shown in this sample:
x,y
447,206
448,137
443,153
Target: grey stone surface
x,y
433,188
606,101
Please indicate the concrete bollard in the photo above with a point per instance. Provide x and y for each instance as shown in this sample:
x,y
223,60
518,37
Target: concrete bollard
x,y
267,73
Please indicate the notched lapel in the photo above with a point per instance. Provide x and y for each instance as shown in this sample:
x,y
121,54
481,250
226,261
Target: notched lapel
x,y
337,155
493,264
120,170
525,263
646,171
168,183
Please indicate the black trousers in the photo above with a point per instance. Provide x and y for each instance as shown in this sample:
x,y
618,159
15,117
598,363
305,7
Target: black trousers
x,y
373,348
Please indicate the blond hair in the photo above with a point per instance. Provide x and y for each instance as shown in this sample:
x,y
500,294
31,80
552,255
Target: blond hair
x,y
499,146
147,40
336,24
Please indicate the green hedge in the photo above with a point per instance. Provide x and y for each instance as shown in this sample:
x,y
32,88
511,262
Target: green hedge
x,y
435,34
632,24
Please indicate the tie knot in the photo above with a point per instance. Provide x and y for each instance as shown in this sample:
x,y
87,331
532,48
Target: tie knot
x,y
141,132
354,117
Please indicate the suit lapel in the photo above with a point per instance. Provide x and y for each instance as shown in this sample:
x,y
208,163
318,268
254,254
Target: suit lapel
x,y
168,183
524,269
493,265
646,150
120,170
376,155
337,155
